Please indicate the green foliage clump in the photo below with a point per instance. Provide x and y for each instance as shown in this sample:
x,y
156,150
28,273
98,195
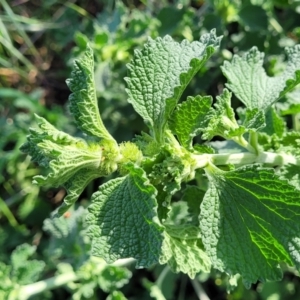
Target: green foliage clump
x,y
205,186
249,209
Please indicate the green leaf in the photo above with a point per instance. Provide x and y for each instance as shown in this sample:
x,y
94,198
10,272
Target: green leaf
x,y
291,75
72,162
254,119
178,214
193,196
288,143
189,118
187,210
248,80
274,123
182,247
7,285
21,271
203,148
25,271
123,220
291,173
83,100
159,74
45,132
75,186
291,105
182,250
221,119
291,138
68,240
163,201
64,228
169,174
113,278
249,223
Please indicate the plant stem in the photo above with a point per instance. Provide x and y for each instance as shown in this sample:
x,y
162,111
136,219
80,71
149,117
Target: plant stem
x,y
296,123
182,288
8,214
253,141
26,291
29,290
162,276
199,290
273,159
240,140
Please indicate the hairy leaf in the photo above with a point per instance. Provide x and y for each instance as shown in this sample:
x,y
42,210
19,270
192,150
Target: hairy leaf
x,y
250,223
254,119
75,186
291,173
113,278
221,119
7,285
45,132
72,162
291,103
193,196
189,118
292,73
25,271
68,240
159,74
182,250
288,143
83,100
249,82
123,221
203,148
274,123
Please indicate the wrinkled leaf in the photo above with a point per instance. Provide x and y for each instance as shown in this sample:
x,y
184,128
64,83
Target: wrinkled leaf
x,y
183,251
248,80
123,221
72,162
250,223
83,100
189,118
159,74
221,119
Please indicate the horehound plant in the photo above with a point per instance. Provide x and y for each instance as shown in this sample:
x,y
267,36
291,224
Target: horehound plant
x,y
232,205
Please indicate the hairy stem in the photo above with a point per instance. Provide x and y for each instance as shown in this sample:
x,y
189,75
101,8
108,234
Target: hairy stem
x,y
253,141
270,158
240,140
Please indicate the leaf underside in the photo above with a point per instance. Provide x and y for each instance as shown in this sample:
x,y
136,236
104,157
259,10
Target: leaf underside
x,y
248,80
72,162
221,119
